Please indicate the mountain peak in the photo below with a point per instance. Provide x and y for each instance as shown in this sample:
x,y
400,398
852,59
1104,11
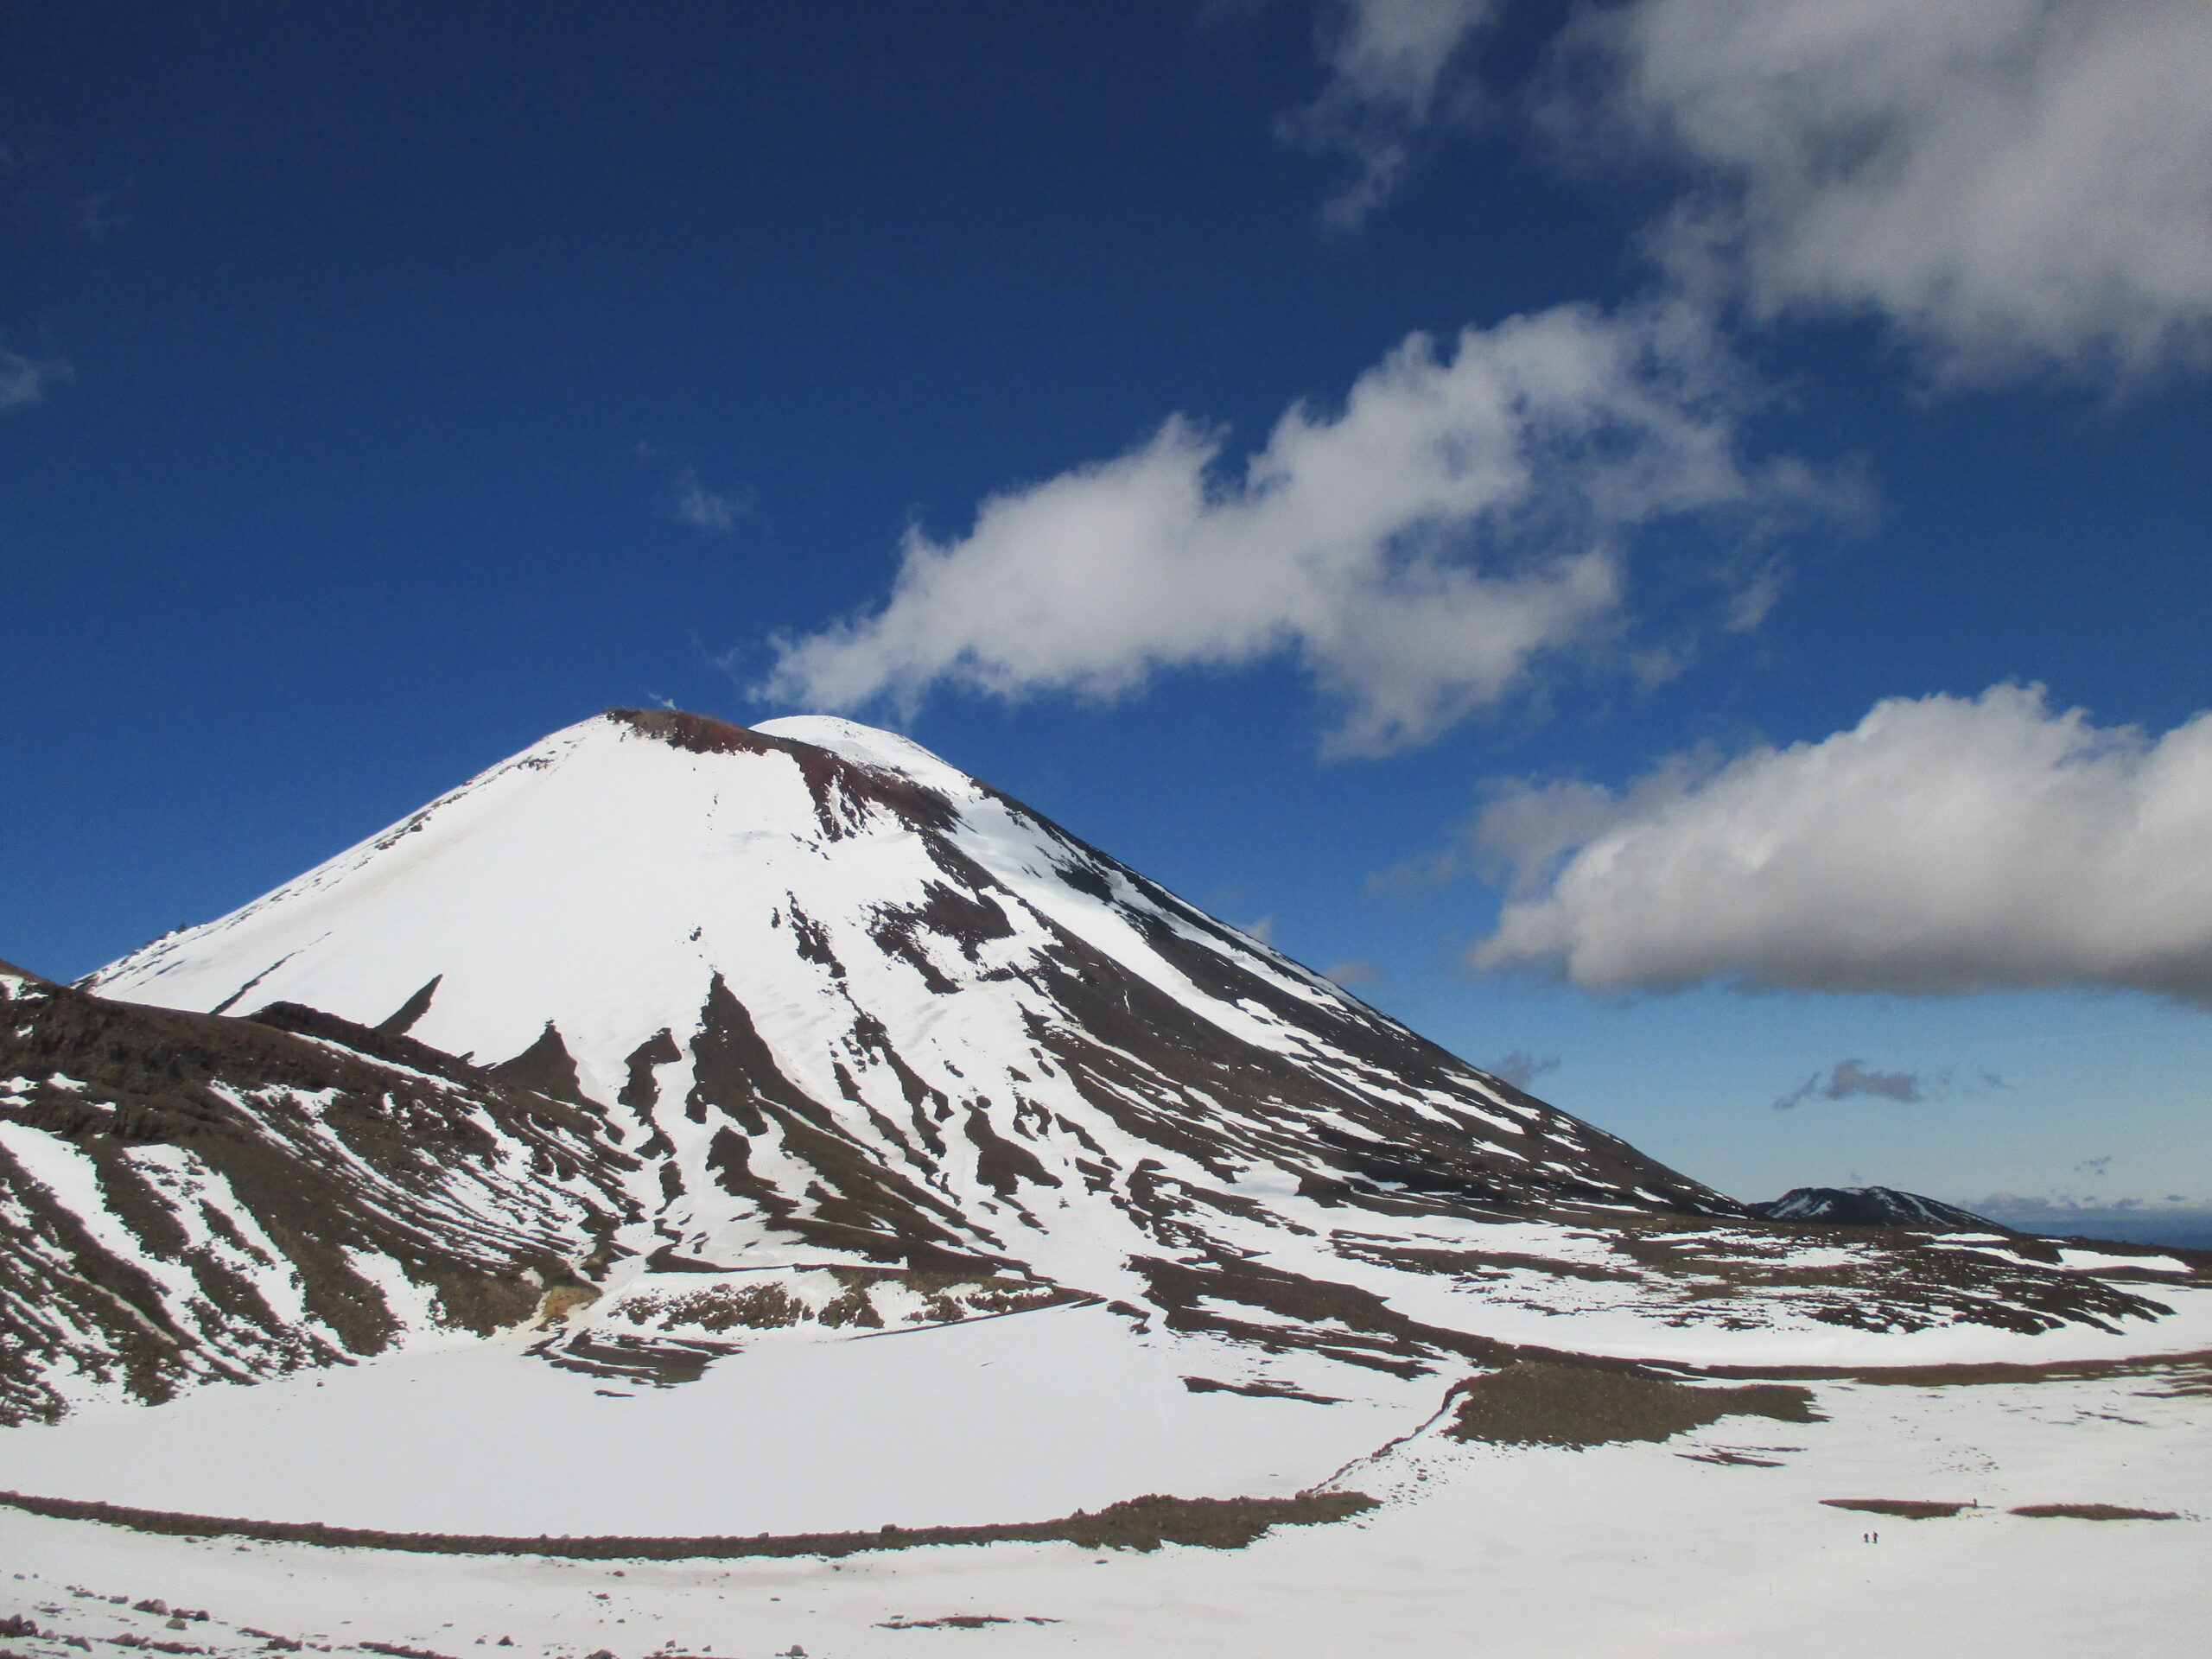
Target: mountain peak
x,y
937,978
847,739
695,734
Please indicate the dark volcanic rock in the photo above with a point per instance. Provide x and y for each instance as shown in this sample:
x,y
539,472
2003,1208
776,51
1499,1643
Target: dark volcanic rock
x,y
1874,1206
193,1196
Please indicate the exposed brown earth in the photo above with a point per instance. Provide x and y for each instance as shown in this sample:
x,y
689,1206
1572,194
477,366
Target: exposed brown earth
x,y
2180,1374
287,1111
1140,1523
2091,1512
1903,1508
1547,1402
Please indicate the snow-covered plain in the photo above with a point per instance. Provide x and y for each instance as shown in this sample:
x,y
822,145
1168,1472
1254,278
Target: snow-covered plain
x,y
1024,1417
1514,1553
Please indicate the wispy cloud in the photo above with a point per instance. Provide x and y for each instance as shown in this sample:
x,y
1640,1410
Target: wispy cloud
x,y
1470,510
1390,81
709,509
1352,972
26,380
101,214
1847,1078
1943,845
1521,1068
692,499
1854,1079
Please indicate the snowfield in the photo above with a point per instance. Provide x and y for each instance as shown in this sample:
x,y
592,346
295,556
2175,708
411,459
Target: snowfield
x,y
1717,1542
1024,1417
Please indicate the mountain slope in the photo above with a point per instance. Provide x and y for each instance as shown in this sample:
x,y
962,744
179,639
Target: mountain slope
x,y
881,1038
189,1197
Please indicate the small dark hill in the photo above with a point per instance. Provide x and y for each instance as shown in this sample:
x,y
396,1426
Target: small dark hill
x,y
1872,1206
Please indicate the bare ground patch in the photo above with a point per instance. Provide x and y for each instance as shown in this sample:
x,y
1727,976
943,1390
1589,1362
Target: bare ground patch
x,y
1143,1523
1543,1402
1904,1509
2173,1374
2091,1512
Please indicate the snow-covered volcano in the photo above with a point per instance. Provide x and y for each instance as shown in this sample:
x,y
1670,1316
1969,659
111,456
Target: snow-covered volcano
x,y
856,1001
888,1045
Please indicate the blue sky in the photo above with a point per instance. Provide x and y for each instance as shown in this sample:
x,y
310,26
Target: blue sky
x,y
383,387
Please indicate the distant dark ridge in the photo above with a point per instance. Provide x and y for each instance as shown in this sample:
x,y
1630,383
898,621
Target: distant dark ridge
x,y
2187,1235
2189,1373
1136,1523
1872,1206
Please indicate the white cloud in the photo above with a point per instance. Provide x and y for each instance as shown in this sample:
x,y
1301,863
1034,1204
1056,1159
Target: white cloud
x,y
24,380
1387,59
1468,511
2007,179
1943,845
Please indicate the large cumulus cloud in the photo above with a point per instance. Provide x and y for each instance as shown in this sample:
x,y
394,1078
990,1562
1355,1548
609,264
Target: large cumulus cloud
x,y
1470,509
1943,844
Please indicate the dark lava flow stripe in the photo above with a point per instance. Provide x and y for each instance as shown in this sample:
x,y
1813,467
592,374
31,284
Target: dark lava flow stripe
x,y
1136,1523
